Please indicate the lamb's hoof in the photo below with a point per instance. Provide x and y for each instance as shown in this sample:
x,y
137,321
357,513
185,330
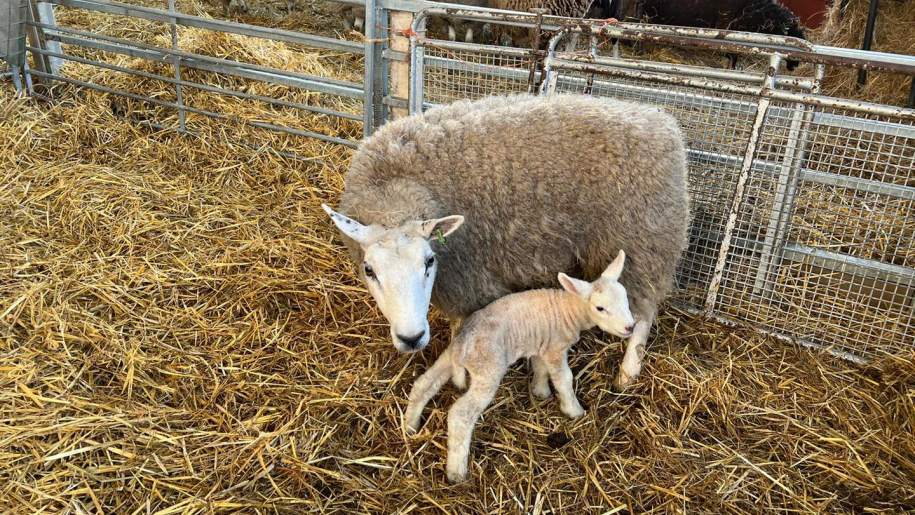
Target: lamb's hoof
x,y
541,392
621,382
412,424
574,412
456,473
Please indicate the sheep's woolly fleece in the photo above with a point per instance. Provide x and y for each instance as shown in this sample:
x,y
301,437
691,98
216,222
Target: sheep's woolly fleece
x,y
534,201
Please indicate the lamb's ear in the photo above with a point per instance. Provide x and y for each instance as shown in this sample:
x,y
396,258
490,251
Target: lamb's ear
x,y
615,269
351,228
448,224
576,286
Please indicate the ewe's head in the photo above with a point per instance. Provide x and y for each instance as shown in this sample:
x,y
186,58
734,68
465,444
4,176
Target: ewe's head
x,y
608,305
398,269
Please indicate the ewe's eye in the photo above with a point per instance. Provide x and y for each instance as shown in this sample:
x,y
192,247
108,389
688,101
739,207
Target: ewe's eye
x,y
369,272
599,308
429,262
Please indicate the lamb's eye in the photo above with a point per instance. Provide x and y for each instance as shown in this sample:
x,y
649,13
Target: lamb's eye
x,y
369,272
430,261
599,308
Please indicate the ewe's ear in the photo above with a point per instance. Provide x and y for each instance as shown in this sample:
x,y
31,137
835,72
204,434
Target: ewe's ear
x,y
576,286
615,268
351,228
447,225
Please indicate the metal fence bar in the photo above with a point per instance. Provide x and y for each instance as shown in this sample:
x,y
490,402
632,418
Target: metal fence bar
x,y
369,84
187,20
210,114
740,189
786,187
213,64
176,62
203,87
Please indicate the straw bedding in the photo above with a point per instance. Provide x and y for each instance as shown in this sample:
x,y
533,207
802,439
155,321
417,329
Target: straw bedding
x,y
180,332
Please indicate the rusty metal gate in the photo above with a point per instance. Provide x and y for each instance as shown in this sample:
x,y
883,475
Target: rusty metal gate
x,y
803,205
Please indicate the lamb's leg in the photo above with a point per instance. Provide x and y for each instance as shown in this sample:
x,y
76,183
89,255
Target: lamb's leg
x,y
541,380
561,375
425,387
463,417
636,346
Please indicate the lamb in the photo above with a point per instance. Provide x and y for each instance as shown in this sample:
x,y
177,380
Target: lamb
x,y
545,184
538,324
764,16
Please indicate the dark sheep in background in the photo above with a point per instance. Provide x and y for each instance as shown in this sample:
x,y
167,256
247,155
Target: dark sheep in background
x,y
763,16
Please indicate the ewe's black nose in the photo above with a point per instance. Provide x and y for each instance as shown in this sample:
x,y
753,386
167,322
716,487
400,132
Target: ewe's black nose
x,y
411,341
629,328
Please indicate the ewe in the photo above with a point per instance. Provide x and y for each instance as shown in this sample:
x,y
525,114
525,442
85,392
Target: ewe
x,y
546,185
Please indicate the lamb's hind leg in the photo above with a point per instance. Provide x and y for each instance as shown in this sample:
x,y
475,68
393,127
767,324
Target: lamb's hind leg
x,y
425,387
636,346
540,385
463,417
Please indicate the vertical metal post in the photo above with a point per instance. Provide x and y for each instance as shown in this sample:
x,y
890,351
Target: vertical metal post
x,y
37,37
417,53
868,37
17,79
382,73
368,81
762,108
46,15
786,188
535,51
401,72
176,62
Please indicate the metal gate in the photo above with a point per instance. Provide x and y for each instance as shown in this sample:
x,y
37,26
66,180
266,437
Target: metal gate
x,y
803,205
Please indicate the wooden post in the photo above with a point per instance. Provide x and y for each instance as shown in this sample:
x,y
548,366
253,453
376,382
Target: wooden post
x,y
401,23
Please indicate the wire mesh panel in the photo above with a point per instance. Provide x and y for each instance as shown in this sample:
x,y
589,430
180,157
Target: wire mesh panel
x,y
451,75
803,210
823,246
716,129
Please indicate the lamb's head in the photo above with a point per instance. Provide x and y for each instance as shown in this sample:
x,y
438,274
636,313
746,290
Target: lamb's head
x,y
398,269
608,303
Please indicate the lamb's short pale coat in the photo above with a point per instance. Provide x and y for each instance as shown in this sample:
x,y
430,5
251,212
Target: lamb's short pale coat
x,y
538,324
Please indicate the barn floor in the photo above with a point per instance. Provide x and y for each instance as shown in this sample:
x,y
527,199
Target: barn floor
x,y
180,332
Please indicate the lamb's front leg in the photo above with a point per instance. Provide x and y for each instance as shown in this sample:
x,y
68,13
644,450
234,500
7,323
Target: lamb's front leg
x,y
463,417
541,380
636,347
561,375
425,387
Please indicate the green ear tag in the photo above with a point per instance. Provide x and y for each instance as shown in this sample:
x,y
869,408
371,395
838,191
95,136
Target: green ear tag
x,y
440,237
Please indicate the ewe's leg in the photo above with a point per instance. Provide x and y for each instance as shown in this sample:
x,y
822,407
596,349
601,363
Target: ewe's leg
x,y
425,387
562,380
541,380
463,417
636,346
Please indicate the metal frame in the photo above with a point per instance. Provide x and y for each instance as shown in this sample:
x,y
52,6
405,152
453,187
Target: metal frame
x,y
794,101
49,36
